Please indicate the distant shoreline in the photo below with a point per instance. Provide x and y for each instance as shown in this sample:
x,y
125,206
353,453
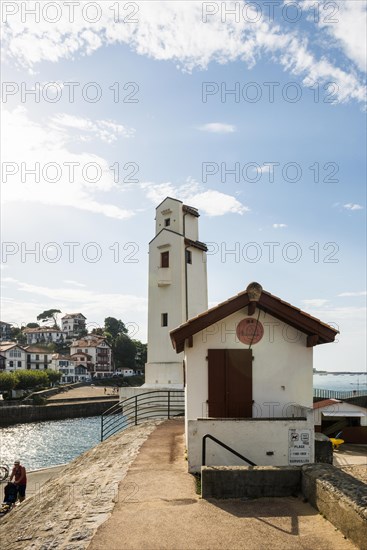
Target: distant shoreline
x,y
340,372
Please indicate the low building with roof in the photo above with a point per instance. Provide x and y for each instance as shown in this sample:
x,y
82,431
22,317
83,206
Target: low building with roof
x,y
249,380
332,416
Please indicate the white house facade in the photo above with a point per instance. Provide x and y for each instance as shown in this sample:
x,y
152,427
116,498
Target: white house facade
x,y
177,288
38,358
15,356
248,371
100,353
44,335
73,324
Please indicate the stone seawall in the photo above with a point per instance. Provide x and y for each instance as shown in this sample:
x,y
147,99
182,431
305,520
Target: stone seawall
x,y
36,413
65,513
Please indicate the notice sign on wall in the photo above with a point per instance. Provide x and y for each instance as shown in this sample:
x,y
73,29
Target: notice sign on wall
x,y
299,446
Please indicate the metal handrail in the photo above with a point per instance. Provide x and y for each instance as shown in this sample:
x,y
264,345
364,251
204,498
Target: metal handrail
x,y
338,394
203,450
140,407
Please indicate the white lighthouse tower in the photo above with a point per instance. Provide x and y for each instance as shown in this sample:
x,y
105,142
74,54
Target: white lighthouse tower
x,y
177,288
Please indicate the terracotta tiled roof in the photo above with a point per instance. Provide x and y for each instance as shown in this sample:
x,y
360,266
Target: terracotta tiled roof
x,y
319,332
325,403
5,346
190,210
196,244
91,342
35,349
72,315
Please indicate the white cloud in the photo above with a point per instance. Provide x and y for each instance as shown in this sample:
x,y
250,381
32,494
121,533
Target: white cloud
x,y
175,31
208,201
346,294
218,128
279,225
315,302
93,304
65,178
75,283
106,130
345,22
352,206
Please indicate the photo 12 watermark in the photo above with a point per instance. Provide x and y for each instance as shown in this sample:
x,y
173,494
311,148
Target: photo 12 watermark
x,y
69,91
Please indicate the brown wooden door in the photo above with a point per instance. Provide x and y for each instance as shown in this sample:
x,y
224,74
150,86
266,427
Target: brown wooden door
x,y
230,383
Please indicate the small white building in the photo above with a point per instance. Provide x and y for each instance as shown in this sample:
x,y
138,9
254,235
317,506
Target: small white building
x,y
100,353
72,368
44,335
248,376
15,356
73,324
332,416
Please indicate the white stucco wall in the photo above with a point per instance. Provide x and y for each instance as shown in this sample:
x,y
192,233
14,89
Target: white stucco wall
x,y
282,380
281,369
167,291
251,438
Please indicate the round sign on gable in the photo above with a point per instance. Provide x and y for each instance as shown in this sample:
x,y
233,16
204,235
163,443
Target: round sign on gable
x,y
249,331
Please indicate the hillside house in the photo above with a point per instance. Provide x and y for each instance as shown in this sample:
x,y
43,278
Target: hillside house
x,y
38,358
248,378
5,331
15,356
44,335
73,324
99,352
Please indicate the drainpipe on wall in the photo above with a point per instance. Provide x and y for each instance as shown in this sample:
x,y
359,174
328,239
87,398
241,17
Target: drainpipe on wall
x,y
186,282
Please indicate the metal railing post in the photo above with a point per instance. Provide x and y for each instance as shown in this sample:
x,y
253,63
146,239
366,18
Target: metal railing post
x,y
169,403
136,410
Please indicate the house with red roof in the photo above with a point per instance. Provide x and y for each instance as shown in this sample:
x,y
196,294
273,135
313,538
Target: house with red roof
x,y
248,366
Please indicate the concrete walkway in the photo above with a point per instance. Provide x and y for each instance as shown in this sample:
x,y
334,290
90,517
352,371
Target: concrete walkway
x,y
158,508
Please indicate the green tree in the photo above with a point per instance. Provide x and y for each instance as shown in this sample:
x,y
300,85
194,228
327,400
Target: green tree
x,y
141,353
29,379
18,336
124,352
7,381
98,331
48,315
114,327
33,325
53,376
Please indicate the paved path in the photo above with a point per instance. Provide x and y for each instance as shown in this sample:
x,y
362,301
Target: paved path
x,y
83,392
163,511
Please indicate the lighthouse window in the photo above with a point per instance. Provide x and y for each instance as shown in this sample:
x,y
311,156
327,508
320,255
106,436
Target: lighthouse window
x,y
188,257
164,319
165,259
167,222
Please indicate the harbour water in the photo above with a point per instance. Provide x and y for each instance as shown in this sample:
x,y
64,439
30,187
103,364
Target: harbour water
x,y
340,382
44,444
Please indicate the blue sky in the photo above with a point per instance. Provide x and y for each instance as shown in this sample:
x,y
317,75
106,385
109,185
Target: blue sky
x,y
300,189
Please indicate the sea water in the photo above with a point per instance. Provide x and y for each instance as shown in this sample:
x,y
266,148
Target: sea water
x,y
43,444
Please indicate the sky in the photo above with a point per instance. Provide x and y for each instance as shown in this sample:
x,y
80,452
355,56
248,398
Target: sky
x,y
252,112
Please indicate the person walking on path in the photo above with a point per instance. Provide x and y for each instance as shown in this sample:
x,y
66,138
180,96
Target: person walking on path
x,y
20,479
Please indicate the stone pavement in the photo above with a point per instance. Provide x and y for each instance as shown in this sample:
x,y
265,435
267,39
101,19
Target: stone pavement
x,y
163,510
